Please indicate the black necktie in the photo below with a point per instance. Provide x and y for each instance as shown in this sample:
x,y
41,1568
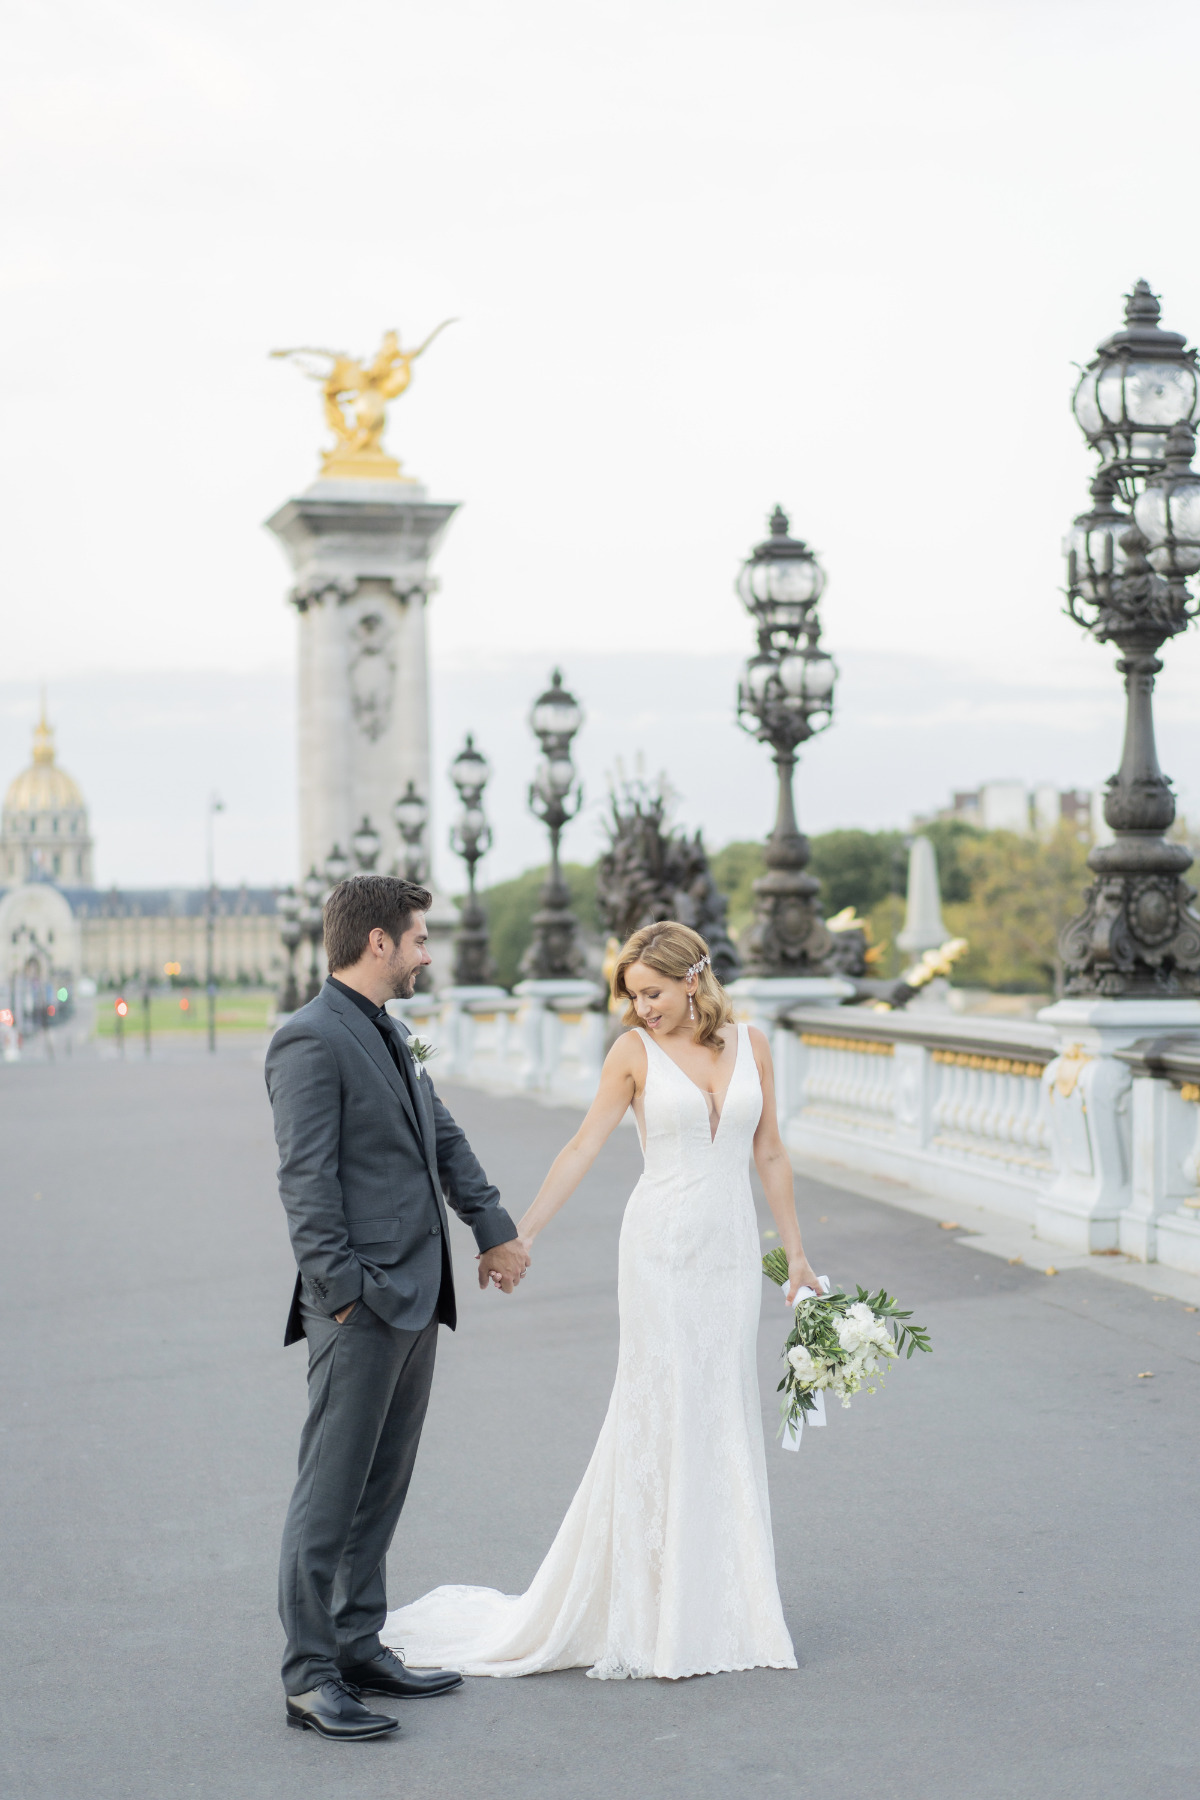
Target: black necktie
x,y
391,1038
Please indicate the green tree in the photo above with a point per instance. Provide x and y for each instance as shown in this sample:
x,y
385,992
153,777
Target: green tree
x,y
857,868
735,870
1023,890
950,839
510,907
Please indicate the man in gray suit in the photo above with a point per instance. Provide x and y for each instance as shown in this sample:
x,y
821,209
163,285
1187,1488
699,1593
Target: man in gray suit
x,y
366,1153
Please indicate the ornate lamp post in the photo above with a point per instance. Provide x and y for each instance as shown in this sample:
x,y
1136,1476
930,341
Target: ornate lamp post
x,y
785,697
290,907
471,838
337,866
312,923
1127,584
410,813
366,845
555,798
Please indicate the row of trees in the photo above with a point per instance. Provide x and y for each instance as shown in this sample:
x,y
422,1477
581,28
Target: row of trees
x,y
1009,896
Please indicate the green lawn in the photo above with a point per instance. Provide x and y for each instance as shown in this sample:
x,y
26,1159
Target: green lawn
x,y
185,1010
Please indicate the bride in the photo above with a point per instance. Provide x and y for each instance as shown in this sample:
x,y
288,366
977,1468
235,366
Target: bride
x,y
664,1564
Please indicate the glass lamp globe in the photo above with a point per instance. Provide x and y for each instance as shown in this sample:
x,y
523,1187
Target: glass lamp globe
x,y
366,844
1093,547
314,887
472,824
409,813
337,865
761,672
470,771
1141,382
1168,510
556,713
780,580
289,904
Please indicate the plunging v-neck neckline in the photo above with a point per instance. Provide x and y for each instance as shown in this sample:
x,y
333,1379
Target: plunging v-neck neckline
x,y
704,1092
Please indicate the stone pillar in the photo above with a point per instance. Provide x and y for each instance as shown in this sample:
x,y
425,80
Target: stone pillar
x,y
1088,1088
360,552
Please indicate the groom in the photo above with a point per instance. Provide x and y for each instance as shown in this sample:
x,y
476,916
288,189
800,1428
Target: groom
x,y
366,1152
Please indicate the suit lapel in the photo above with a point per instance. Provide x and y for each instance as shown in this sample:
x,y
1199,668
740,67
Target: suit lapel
x,y
360,1027
423,1101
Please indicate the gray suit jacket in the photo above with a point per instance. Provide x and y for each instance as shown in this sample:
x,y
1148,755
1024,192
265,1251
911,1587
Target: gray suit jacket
x,y
362,1171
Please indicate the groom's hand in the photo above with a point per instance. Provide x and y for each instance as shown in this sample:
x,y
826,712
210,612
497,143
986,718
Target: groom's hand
x,y
506,1262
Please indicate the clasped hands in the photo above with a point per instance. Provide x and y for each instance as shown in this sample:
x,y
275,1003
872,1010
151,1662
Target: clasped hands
x,y
504,1264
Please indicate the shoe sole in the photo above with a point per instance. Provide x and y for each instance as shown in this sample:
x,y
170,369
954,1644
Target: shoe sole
x,y
341,1737
421,1693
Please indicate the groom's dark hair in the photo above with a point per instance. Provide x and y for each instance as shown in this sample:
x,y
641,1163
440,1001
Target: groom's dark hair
x,y
357,906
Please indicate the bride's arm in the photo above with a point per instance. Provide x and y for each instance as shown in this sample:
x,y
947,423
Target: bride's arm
x,y
775,1172
618,1081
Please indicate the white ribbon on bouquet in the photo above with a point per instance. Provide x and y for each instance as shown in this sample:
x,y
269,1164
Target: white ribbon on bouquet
x,y
793,1431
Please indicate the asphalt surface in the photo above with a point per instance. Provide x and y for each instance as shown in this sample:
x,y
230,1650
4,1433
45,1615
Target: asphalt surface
x,y
990,1571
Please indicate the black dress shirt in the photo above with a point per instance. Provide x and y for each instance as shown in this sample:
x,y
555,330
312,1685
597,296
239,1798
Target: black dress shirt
x,y
379,1018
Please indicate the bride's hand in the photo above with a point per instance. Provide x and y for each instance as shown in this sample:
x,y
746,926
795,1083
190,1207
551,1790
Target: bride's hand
x,y
525,1244
801,1274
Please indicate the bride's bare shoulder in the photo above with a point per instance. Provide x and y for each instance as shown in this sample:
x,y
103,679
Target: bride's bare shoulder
x,y
628,1056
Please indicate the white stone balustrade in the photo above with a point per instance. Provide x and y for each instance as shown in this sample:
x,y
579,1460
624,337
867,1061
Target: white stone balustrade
x,y
545,1039
1080,1124
958,1109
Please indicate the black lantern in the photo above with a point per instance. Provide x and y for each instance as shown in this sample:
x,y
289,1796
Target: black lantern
x,y
290,906
410,813
337,866
1141,382
1128,585
471,838
366,845
555,798
785,697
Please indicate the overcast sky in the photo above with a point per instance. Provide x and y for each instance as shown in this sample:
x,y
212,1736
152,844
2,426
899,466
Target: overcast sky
x,y
704,258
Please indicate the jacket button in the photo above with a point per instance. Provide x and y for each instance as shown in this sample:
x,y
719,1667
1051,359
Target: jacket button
x,y
434,1230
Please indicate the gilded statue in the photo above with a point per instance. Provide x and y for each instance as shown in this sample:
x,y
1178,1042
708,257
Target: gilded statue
x,y
356,396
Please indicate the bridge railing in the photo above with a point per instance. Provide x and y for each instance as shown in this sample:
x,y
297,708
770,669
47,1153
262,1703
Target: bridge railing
x,y
956,1107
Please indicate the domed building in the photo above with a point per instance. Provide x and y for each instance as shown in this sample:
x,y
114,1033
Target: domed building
x,y
44,832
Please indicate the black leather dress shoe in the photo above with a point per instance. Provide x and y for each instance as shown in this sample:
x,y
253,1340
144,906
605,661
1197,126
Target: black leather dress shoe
x,y
386,1674
335,1710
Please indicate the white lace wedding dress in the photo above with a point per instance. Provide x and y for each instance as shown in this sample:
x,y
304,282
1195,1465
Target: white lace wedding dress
x,y
664,1564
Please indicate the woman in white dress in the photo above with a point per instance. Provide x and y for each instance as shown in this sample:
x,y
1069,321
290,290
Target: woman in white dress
x,y
664,1564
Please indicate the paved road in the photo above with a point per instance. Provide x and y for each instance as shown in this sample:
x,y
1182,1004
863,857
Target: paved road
x,y
990,1572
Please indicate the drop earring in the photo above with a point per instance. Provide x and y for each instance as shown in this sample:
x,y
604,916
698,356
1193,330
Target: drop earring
x,y
691,1009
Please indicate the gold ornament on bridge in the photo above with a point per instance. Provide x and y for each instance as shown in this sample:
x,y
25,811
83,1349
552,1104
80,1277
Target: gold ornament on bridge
x,y
356,396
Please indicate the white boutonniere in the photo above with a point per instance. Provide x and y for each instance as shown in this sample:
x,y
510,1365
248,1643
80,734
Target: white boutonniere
x,y
421,1053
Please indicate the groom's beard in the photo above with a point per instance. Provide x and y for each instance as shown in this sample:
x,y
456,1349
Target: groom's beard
x,y
404,982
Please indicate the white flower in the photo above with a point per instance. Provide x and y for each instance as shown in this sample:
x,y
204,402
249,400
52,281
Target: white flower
x,y
801,1359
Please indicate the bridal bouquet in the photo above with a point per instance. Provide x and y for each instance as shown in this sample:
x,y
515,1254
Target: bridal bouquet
x,y
839,1345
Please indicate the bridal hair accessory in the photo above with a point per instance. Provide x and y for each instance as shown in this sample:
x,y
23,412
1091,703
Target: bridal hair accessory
x,y
695,970
837,1345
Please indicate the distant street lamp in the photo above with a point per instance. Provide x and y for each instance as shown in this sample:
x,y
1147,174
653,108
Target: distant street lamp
x,y
1127,584
215,806
471,838
290,907
785,697
337,866
312,922
366,845
410,813
555,798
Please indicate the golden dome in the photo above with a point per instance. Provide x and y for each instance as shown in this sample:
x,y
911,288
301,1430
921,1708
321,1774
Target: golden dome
x,y
43,786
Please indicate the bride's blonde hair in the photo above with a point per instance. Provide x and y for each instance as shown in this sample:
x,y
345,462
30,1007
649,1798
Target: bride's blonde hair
x,y
673,949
